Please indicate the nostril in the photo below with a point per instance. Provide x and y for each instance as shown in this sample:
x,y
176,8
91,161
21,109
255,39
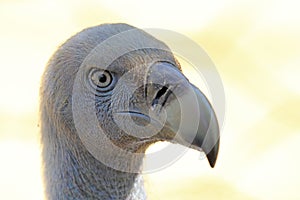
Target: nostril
x,y
159,94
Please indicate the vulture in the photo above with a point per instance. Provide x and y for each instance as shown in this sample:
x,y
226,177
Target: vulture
x,y
107,94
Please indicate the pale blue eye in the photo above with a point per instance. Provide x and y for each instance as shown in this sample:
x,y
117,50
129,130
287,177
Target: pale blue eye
x,y
102,80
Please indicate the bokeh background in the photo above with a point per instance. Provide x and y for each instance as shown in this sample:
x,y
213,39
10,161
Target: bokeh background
x,y
255,46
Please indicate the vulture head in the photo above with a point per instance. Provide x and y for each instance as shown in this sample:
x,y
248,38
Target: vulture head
x,y
108,93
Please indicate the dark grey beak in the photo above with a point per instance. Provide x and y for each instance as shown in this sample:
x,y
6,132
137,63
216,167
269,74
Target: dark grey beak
x,y
189,117
208,134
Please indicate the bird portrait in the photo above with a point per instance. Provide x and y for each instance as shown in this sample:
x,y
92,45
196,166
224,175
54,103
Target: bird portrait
x,y
107,94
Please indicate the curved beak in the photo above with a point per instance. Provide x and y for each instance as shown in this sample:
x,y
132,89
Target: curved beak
x,y
190,119
196,123
208,134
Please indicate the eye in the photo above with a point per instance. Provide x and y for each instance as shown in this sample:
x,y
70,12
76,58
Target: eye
x,y
102,80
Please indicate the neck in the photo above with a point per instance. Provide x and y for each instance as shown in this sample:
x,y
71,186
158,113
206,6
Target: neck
x,y
71,172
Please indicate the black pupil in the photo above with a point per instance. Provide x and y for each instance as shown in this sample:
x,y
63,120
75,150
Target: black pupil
x,y
102,78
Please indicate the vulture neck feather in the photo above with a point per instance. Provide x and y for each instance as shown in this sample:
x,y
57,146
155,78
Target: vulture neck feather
x,y
71,172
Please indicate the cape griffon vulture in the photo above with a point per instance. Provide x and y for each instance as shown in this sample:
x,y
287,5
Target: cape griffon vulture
x,y
108,93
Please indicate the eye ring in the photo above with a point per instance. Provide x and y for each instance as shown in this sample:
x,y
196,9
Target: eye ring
x,y
101,80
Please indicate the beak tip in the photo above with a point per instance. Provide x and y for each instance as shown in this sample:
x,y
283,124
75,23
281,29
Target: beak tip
x,y
211,162
213,155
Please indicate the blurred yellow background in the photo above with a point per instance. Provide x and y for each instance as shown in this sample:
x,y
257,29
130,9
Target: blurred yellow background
x,y
256,48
